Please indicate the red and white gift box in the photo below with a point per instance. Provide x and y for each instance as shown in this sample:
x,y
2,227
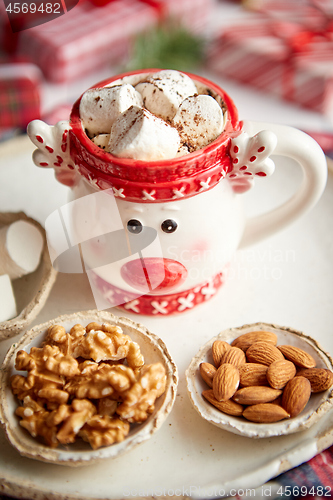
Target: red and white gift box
x,y
88,37
287,53
85,39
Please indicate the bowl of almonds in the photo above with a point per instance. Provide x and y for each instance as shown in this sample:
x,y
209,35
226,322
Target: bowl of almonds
x,y
261,380
84,387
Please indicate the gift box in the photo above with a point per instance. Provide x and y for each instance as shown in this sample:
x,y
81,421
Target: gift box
x,y
90,37
19,95
285,52
86,38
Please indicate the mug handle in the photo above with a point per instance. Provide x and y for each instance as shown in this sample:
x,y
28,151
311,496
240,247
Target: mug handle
x,y
299,146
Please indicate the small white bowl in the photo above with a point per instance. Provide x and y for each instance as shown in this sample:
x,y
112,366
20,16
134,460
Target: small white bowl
x,y
32,290
317,406
80,453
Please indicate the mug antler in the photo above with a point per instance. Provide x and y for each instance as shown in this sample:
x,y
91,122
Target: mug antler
x,y
250,158
53,149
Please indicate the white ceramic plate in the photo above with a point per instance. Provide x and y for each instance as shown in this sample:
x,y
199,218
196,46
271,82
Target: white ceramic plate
x,y
317,406
80,453
286,279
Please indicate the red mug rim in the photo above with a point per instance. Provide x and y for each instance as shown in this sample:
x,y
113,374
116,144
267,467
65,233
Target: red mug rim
x,y
232,125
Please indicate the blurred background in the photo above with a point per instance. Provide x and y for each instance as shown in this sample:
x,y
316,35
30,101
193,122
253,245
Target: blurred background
x,y
275,54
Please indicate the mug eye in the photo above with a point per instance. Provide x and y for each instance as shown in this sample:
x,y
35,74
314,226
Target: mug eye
x,y
134,226
169,226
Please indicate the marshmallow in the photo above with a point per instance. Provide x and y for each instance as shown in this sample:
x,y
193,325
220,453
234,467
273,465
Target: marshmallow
x,y
99,108
199,121
164,91
21,245
101,140
140,135
7,303
182,151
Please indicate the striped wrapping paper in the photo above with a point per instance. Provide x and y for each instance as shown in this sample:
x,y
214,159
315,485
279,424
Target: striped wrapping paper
x,y
86,38
290,56
89,37
19,95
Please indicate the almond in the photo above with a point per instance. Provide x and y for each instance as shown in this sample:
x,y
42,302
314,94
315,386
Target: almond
x,y
234,356
277,401
296,394
297,356
226,382
255,395
207,372
320,379
247,339
265,413
219,347
252,374
280,372
264,353
230,407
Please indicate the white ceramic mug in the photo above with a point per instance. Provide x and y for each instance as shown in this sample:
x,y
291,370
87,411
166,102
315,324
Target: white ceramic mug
x,y
193,202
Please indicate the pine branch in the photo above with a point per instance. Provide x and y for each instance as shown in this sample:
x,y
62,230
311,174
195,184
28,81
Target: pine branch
x,y
169,46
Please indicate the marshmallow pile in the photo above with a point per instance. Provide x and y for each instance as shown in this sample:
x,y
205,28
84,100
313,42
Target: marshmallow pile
x,y
159,117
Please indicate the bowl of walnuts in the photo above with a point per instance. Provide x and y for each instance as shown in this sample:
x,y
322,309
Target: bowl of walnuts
x,y
261,380
84,387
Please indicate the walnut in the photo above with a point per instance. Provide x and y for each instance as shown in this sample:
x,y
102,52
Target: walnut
x,y
93,326
38,388
121,378
68,343
40,355
62,364
22,386
56,335
139,400
81,411
52,394
46,367
98,342
30,407
47,361
33,419
40,422
103,431
87,367
106,327
101,346
134,357
106,380
92,385
106,406
24,361
108,342
58,415
77,333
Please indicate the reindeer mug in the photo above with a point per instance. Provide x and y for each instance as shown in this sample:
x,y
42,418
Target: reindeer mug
x,y
179,220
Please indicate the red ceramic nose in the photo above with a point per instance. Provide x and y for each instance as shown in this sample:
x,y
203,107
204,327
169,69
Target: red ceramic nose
x,y
153,274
